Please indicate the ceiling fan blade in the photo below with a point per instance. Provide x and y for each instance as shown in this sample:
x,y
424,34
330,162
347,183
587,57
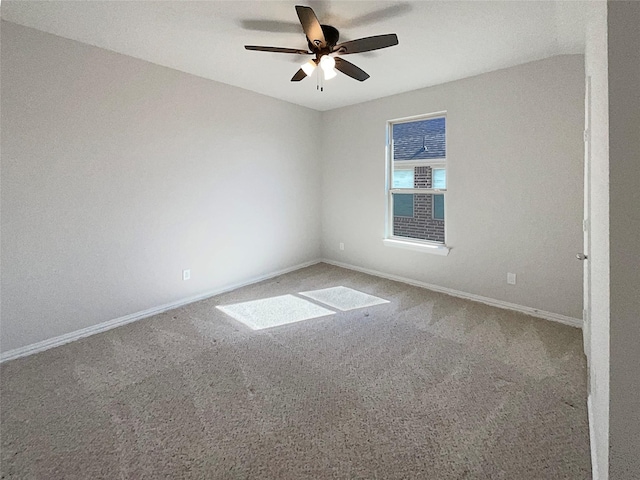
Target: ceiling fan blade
x,y
311,26
277,49
367,44
350,69
298,76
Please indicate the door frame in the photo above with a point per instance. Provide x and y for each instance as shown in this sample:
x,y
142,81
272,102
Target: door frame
x,y
586,225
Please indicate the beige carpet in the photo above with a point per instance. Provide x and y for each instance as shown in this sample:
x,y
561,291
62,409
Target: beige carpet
x,y
424,387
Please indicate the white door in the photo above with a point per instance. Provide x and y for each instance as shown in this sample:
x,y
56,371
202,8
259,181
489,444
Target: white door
x,y
586,254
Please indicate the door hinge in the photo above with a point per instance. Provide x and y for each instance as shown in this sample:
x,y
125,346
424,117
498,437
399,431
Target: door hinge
x,y
586,135
585,225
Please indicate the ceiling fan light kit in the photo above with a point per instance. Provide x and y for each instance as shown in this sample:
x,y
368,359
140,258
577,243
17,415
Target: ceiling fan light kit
x,y
329,74
327,63
322,41
308,67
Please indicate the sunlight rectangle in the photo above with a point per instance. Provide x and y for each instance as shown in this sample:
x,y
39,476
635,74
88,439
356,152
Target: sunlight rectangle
x,y
344,298
274,311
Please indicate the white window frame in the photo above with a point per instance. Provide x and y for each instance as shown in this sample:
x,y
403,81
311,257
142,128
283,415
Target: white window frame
x,y
407,242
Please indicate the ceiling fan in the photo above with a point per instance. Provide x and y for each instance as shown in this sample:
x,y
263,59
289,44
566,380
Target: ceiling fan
x,y
323,43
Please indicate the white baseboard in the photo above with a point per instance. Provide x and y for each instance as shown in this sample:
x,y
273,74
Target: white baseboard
x,y
108,325
555,317
117,322
595,475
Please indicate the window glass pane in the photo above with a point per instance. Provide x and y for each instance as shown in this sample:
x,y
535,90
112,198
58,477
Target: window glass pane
x,y
419,140
402,205
438,207
403,178
439,178
423,224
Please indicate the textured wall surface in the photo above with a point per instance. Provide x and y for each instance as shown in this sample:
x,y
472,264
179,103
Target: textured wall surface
x,y
624,210
514,189
117,174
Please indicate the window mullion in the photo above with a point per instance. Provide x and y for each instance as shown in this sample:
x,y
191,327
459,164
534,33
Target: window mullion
x,y
406,164
418,191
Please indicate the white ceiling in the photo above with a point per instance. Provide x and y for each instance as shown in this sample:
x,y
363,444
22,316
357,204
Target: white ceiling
x,y
439,41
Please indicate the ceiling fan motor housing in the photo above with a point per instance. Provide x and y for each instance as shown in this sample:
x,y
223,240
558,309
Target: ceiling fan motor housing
x,y
331,37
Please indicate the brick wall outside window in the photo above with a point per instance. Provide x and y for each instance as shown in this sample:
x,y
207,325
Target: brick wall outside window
x,y
422,225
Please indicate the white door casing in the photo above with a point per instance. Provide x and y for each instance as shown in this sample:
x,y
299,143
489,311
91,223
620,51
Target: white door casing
x,y
586,224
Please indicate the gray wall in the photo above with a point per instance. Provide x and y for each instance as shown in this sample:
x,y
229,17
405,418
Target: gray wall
x,y
624,212
515,182
117,174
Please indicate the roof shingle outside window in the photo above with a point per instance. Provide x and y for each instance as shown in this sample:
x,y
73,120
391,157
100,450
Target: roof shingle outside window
x,y
421,140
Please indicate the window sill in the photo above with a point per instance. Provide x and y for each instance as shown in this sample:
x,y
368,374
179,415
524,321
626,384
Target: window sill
x,y
417,246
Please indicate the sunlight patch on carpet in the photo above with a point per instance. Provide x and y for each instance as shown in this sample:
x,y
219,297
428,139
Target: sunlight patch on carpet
x,y
344,298
274,311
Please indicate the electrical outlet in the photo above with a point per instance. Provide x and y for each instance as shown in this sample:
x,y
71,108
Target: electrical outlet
x,y
341,246
511,278
186,274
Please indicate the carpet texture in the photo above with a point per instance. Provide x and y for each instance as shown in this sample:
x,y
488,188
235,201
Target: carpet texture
x,y
427,386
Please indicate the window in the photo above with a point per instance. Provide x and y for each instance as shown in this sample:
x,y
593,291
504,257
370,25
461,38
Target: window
x,y
439,178
403,205
438,207
403,178
416,190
